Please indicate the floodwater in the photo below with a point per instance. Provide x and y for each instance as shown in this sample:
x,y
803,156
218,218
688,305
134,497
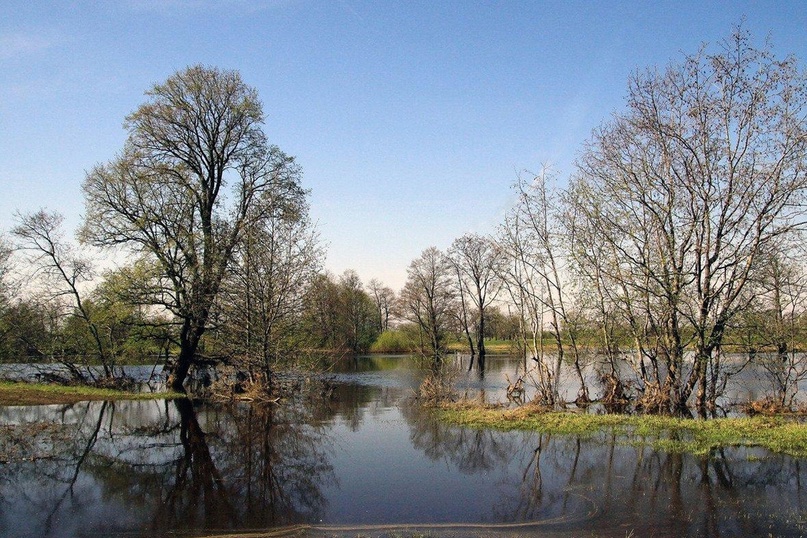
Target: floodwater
x,y
367,462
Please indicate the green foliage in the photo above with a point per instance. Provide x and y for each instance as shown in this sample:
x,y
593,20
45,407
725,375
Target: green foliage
x,y
340,315
395,341
25,333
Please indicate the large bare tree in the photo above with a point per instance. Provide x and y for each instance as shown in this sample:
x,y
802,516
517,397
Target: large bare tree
x,y
195,162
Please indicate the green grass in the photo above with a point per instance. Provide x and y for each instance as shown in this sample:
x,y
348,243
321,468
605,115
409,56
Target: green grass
x,y
17,393
777,434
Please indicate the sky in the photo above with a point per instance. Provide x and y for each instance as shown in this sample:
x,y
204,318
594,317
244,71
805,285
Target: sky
x,y
411,120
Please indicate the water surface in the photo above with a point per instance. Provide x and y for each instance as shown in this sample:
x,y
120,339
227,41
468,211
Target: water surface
x,y
367,462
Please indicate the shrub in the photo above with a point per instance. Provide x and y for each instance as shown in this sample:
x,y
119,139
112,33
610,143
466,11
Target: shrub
x,y
394,341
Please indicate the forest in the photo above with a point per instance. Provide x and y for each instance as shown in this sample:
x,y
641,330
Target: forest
x,y
670,259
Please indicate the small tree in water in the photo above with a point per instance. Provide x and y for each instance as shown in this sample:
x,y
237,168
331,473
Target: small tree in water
x,y
427,299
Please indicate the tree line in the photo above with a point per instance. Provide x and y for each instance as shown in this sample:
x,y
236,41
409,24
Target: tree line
x,y
677,239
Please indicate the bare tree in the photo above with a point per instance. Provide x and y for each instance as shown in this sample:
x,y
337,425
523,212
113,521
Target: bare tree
x,y
772,321
533,236
428,299
693,182
62,271
5,270
476,262
596,293
262,299
358,310
384,298
195,163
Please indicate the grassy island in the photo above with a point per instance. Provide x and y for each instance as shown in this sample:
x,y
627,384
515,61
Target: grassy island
x,y
781,434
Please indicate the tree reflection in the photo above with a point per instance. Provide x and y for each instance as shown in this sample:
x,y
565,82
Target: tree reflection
x,y
278,462
153,470
198,496
471,450
602,484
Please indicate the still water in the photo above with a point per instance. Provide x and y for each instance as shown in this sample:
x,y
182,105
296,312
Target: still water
x,y
367,462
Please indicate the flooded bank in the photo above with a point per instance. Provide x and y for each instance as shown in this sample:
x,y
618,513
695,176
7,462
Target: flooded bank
x,y
366,461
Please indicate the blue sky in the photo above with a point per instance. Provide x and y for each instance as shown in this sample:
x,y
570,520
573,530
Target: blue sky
x,y
410,119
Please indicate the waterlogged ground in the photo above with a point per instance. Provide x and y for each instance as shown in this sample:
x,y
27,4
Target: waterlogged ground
x,y
366,462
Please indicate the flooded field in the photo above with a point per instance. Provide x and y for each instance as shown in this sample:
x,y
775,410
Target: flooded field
x,y
367,462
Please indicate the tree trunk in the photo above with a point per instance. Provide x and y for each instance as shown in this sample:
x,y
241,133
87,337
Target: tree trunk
x,y
188,343
480,342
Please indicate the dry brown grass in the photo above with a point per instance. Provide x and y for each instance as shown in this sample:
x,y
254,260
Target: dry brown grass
x,y
769,407
654,400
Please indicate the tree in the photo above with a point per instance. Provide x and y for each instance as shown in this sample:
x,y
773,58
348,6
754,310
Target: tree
x,y
340,315
476,262
262,301
63,271
428,299
534,237
689,188
195,163
5,291
384,298
359,322
322,313
774,320
25,331
5,269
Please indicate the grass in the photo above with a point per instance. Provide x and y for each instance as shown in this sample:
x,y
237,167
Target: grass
x,y
777,434
18,393
492,346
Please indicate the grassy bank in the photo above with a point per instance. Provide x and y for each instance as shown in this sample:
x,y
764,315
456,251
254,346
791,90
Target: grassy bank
x,y
778,434
16,393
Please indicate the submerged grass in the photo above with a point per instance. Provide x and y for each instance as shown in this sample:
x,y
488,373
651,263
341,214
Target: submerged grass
x,y
20,393
778,434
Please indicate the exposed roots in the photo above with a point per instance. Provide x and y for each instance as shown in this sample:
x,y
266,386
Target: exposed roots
x,y
543,398
614,391
515,390
124,383
582,399
235,385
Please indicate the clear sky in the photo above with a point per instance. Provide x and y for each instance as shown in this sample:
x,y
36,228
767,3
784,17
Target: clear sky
x,y
410,119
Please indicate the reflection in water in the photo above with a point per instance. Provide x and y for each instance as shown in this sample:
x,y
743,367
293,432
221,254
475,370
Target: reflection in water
x,y
366,456
198,496
606,487
156,468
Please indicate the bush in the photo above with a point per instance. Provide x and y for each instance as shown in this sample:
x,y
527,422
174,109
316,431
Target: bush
x,y
394,341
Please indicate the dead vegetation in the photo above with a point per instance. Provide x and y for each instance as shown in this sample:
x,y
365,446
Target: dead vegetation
x,y
654,400
436,389
771,407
